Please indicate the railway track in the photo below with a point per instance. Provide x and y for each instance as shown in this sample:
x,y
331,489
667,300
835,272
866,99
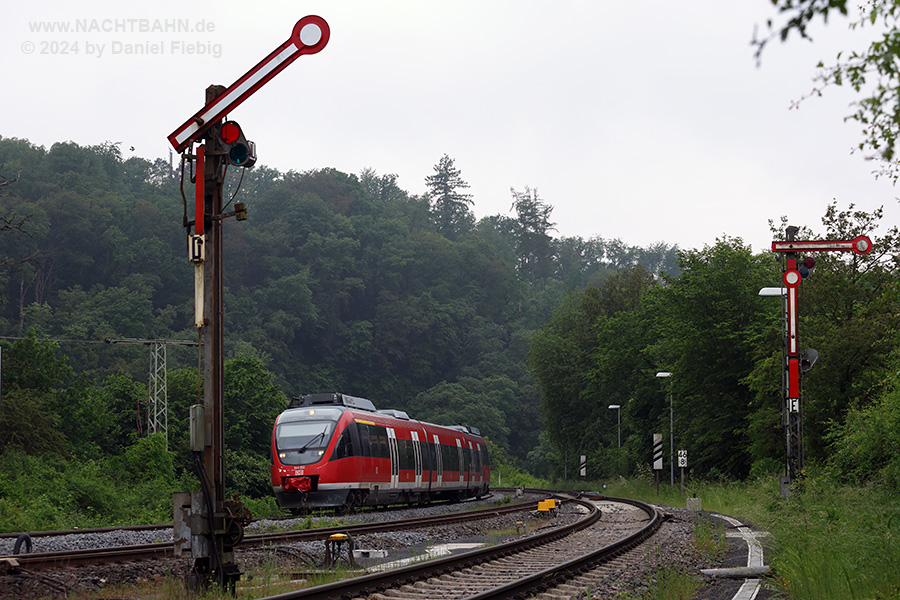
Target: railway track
x,y
585,557
567,559
45,560
163,526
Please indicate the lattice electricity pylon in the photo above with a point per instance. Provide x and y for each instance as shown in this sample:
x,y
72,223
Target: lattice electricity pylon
x,y
157,390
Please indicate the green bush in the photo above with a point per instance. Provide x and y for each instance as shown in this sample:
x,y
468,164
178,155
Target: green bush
x,y
867,446
148,458
247,474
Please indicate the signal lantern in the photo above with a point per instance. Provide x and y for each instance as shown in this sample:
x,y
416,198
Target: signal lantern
x,y
806,267
238,151
808,359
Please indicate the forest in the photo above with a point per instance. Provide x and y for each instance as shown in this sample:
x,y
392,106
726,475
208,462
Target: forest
x,y
346,282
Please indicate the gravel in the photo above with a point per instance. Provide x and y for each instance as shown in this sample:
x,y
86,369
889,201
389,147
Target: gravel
x,y
676,547
125,537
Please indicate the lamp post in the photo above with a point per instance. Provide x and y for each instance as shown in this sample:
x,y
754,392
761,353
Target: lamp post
x,y
618,410
665,374
793,443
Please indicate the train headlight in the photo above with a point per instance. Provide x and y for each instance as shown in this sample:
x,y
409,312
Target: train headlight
x,y
282,454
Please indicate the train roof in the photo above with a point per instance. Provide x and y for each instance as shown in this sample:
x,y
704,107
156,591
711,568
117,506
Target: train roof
x,y
332,400
356,403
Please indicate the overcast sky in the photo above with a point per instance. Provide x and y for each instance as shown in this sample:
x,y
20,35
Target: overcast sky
x,y
641,120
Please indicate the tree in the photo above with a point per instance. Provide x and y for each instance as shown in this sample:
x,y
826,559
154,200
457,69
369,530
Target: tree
x,y
15,226
383,189
31,375
533,241
874,73
449,205
708,320
253,402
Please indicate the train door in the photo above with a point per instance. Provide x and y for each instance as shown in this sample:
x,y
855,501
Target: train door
x,y
417,455
395,458
472,467
476,463
439,461
461,454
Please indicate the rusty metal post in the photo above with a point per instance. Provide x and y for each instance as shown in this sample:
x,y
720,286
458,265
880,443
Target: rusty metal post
x,y
219,564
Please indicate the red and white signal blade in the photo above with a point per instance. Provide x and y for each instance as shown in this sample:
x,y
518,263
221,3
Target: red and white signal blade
x,y
309,36
860,245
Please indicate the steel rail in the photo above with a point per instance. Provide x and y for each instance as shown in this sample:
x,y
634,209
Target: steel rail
x,y
61,532
536,583
365,585
42,560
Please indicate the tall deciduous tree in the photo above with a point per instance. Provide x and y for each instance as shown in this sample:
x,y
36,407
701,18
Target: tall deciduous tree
x,y
449,205
382,189
708,319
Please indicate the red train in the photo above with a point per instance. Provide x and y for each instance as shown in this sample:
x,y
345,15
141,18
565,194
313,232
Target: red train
x,y
334,450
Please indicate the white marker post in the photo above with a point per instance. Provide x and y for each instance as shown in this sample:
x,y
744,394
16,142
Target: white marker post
x,y
657,457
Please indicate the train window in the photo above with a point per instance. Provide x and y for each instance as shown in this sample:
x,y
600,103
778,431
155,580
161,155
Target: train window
x,y
365,448
373,441
407,458
378,442
302,442
344,446
296,434
450,456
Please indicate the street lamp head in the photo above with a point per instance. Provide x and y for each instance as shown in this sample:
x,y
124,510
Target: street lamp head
x,y
663,374
773,292
614,406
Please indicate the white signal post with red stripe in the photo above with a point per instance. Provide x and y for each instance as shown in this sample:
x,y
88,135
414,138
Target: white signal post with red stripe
x,y
792,365
792,279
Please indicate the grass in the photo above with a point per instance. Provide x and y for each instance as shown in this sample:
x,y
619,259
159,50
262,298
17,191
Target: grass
x,y
709,539
267,578
828,541
669,583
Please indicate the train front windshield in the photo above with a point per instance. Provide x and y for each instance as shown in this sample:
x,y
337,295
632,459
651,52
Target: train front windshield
x,y
302,442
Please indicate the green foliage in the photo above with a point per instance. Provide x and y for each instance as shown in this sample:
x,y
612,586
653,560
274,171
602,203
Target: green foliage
x,y
335,282
253,402
450,205
481,402
148,459
872,73
505,473
708,319
27,424
39,492
835,541
866,446
247,474
32,364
